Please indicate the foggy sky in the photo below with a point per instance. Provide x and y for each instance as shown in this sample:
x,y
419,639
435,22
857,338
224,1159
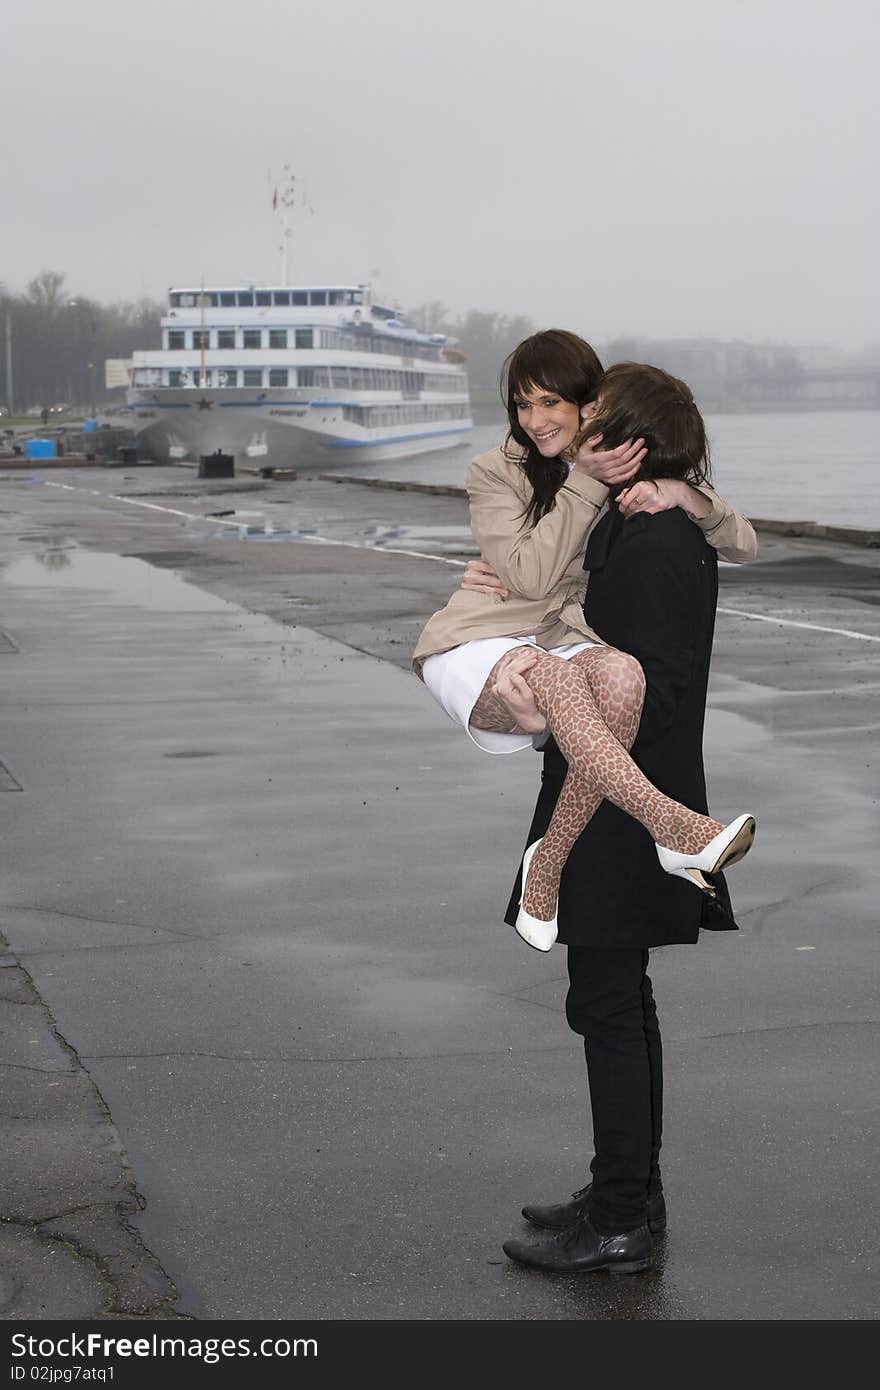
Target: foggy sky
x,y
692,167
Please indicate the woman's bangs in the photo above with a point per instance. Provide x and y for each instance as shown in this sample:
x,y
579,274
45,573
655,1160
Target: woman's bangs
x,y
540,370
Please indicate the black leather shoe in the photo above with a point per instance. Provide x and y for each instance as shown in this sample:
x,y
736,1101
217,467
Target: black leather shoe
x,y
557,1218
580,1250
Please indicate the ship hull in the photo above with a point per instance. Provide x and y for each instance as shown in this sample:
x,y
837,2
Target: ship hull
x,y
182,425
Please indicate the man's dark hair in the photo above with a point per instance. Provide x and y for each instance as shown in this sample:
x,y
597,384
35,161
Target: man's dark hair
x,y
637,401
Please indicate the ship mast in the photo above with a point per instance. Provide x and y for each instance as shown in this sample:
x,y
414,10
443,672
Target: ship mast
x,y
282,203
202,335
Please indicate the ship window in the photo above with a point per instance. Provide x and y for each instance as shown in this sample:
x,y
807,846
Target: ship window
x,y
253,376
281,296
373,416
338,297
174,301
304,337
251,338
174,378
277,376
339,376
299,296
278,339
176,339
227,298
314,376
317,296
200,338
226,337
227,376
187,301
264,296
245,299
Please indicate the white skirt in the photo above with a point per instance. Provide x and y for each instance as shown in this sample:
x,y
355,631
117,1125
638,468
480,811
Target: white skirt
x,y
456,679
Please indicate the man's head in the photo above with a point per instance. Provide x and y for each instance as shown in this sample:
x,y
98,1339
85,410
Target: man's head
x,y
638,401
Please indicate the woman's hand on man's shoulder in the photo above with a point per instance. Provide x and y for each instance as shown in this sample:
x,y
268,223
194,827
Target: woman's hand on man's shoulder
x,y
661,495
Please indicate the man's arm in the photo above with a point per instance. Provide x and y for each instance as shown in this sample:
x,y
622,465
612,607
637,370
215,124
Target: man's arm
x,y
663,599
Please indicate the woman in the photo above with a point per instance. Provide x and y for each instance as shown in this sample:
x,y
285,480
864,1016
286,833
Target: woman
x,y
533,504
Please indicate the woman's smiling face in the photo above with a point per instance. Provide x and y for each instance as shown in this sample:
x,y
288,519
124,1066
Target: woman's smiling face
x,y
549,421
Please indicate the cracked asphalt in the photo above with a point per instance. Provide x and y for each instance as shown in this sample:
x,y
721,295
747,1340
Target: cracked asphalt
x,y
267,1049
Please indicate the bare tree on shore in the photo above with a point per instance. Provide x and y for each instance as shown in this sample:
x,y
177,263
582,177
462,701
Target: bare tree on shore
x,y
55,342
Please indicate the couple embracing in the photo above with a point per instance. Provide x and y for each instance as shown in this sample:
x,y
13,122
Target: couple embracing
x,y
586,628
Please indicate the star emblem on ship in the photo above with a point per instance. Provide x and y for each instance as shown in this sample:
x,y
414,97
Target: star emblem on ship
x,y
205,404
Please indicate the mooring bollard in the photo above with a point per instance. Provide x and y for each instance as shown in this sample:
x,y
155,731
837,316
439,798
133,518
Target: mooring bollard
x,y
216,465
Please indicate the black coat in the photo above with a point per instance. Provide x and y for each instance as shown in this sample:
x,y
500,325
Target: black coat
x,y
652,592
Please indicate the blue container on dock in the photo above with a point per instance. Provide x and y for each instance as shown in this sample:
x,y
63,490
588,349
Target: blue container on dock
x,y
39,448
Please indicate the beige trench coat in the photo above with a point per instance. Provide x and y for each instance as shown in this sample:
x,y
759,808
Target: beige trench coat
x,y
542,565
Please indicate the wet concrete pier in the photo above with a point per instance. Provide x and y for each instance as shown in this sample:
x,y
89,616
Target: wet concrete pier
x,y
269,1051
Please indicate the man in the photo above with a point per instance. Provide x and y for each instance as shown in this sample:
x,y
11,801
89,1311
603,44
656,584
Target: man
x,y
652,592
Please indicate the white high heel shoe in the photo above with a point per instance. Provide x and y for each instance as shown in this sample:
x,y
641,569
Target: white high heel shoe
x,y
534,930
728,847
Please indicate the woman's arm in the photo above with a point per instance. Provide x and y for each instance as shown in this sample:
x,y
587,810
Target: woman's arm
x,y
531,560
725,529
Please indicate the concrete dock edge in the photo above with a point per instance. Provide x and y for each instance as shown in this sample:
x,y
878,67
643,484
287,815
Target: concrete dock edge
x,y
851,535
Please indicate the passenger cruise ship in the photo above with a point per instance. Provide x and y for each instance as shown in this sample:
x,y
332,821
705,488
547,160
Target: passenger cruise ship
x,y
295,374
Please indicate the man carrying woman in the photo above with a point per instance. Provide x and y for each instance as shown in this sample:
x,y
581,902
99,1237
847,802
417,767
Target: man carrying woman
x,y
623,863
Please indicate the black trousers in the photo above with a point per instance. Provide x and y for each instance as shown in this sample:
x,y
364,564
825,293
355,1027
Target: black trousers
x,y
610,1003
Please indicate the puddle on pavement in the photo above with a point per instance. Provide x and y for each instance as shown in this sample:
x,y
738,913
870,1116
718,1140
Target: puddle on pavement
x,y
245,534
271,650
437,540
238,524
118,578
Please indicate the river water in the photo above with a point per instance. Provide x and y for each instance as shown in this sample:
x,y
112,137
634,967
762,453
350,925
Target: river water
x,y
821,466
